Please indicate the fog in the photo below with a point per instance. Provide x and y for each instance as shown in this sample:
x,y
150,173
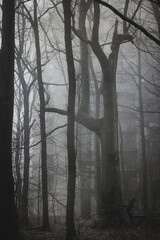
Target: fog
x,y
115,154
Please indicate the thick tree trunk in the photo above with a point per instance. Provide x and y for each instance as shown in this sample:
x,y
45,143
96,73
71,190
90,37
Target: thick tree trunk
x,y
42,124
70,228
97,139
111,197
84,106
8,213
111,187
84,158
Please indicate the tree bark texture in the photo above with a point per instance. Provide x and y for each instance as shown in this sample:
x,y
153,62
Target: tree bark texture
x,y
98,169
84,160
8,213
70,228
83,9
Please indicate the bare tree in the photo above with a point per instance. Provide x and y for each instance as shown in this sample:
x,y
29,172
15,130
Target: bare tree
x,y
70,230
107,127
42,122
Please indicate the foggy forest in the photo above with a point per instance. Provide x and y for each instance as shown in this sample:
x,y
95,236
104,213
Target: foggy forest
x,y
80,120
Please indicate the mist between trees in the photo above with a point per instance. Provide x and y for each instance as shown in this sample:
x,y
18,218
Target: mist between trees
x,y
79,112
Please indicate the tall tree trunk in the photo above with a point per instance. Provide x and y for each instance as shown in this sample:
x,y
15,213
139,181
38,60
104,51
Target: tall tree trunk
x,y
111,197
123,176
111,187
70,228
18,151
24,206
42,124
98,174
24,200
8,213
97,140
39,192
143,142
84,161
84,106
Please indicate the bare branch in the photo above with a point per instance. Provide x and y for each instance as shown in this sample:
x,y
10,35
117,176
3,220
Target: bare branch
x,y
57,110
142,29
22,2
84,118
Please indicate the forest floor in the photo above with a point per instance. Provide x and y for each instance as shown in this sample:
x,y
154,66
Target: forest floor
x,y
91,232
